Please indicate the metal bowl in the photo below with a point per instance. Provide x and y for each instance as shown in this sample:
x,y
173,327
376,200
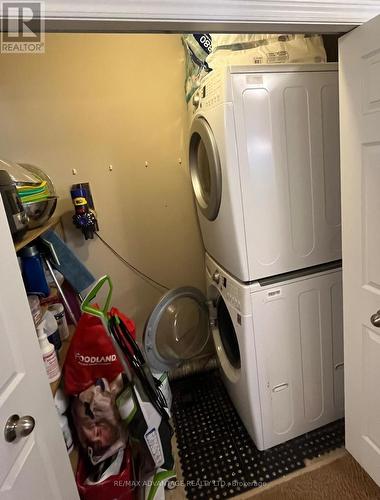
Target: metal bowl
x,y
40,212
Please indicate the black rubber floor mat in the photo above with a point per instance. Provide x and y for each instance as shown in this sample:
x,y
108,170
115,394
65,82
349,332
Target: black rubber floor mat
x,y
218,458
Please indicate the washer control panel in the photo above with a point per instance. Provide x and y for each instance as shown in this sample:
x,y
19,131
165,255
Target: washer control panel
x,y
227,287
232,296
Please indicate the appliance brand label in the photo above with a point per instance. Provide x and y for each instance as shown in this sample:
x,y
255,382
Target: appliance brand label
x,y
83,359
255,80
274,294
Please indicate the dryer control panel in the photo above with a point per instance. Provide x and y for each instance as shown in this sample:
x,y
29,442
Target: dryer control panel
x,y
213,91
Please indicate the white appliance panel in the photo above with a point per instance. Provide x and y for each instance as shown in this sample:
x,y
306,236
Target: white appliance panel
x,y
244,393
297,334
224,238
265,190
288,146
338,359
331,157
244,389
297,136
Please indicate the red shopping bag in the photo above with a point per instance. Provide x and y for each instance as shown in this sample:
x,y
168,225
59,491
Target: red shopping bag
x,y
91,356
118,486
92,375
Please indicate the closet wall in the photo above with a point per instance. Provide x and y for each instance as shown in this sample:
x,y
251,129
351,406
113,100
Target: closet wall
x,y
92,101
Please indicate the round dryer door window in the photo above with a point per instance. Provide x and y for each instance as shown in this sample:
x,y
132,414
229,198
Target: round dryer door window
x,y
177,329
205,168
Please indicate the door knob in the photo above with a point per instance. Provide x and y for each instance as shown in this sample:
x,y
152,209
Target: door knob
x,y
18,427
375,319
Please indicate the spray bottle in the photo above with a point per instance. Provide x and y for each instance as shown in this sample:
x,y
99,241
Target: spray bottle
x,y
48,354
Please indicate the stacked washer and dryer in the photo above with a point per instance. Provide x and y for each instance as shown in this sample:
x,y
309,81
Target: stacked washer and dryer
x,y
264,163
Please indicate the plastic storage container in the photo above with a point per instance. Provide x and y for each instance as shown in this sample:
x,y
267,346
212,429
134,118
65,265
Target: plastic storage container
x,y
33,272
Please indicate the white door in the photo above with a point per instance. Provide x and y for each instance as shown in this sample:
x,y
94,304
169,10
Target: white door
x,y
359,86
36,466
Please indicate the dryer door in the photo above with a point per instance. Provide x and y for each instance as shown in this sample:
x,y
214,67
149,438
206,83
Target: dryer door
x,y
177,329
226,341
205,170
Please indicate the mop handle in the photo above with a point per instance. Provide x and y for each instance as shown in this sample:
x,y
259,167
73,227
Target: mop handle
x,y
101,313
88,300
59,288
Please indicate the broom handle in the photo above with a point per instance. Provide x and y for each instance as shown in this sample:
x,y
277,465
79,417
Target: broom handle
x,y
102,314
59,288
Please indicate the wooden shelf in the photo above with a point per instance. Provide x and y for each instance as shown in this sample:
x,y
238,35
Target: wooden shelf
x,y
28,238
62,353
35,233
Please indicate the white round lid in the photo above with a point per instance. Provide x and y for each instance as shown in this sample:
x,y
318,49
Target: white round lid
x,y
177,329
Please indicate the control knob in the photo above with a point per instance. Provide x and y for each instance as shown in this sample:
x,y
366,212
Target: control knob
x,y
216,277
196,100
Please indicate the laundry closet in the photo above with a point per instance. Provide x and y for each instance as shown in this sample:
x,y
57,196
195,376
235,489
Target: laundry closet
x,y
217,191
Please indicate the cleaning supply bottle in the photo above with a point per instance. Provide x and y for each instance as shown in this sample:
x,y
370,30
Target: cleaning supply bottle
x,y
62,405
48,354
59,314
35,308
51,329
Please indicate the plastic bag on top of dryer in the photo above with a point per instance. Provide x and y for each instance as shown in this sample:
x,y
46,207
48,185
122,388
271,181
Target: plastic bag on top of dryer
x,y
205,52
266,49
197,48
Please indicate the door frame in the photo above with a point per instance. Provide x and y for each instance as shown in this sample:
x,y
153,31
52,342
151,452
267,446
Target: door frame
x,y
176,26
224,16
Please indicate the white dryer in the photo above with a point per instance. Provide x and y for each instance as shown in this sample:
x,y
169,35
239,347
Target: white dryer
x,y
279,344
264,164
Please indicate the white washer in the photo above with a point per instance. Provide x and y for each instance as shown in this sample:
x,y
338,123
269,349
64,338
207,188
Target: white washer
x,y
279,343
280,346
264,163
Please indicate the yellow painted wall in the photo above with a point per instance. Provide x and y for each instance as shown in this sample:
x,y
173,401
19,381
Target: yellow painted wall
x,y
96,100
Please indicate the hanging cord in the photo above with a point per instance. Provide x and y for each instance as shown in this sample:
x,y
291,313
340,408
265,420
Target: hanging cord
x,y
139,273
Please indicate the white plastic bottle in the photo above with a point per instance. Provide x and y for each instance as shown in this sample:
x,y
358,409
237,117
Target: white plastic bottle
x,y
59,314
62,405
48,354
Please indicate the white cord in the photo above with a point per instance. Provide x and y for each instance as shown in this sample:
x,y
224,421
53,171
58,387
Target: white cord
x,y
139,273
